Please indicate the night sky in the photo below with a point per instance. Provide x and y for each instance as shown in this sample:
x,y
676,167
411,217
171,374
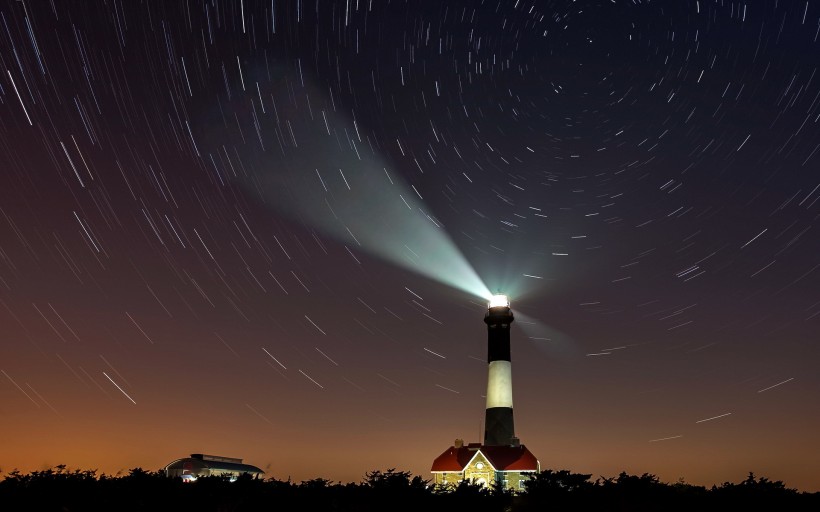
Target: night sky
x,y
267,230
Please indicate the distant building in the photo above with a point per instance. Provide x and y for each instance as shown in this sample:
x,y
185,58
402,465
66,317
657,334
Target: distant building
x,y
501,460
485,465
198,464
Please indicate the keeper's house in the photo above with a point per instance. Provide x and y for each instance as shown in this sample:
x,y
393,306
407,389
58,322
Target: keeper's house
x,y
506,466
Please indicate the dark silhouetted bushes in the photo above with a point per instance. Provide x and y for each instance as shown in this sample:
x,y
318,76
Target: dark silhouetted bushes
x,y
62,490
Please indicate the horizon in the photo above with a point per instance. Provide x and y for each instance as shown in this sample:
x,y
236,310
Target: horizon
x,y
282,474
265,476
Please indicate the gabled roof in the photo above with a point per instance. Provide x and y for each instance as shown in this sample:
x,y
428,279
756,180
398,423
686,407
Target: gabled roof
x,y
502,458
510,458
453,459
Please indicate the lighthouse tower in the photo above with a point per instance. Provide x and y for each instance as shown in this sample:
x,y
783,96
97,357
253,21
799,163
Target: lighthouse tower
x,y
499,427
500,459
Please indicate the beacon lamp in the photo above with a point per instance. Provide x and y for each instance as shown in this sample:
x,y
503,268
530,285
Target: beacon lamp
x,y
499,301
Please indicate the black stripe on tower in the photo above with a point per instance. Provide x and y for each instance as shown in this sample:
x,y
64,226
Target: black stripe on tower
x,y
499,426
498,322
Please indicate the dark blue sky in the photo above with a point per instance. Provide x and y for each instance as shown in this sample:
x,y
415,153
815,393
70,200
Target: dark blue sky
x,y
204,245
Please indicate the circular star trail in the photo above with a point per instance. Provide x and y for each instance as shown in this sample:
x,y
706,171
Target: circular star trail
x,y
269,229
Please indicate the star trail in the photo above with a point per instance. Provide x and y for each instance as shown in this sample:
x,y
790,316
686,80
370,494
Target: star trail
x,y
270,229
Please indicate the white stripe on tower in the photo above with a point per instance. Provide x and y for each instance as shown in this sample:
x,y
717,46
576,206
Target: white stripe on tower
x,y
499,385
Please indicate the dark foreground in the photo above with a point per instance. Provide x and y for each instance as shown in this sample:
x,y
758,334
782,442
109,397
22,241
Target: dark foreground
x,y
60,489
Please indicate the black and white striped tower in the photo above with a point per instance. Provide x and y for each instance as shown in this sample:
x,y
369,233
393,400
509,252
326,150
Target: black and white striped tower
x,y
499,428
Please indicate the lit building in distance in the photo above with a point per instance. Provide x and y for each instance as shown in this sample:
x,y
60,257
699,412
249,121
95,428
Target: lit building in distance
x,y
198,464
501,460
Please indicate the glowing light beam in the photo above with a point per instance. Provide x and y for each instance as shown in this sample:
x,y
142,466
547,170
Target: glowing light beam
x,y
359,201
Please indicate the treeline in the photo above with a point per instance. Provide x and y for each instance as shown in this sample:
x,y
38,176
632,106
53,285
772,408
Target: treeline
x,y
63,490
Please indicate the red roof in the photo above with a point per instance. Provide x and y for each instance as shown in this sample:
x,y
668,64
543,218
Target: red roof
x,y
503,458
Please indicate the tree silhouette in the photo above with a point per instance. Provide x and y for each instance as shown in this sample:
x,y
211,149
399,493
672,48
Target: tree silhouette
x,y
556,489
59,489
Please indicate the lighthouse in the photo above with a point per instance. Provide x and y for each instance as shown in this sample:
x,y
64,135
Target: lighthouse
x,y
499,426
500,459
